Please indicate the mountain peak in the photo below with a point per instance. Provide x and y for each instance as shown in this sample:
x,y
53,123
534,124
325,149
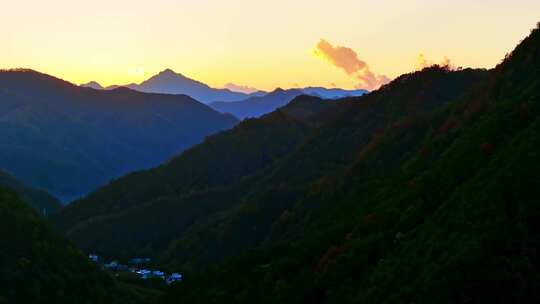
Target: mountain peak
x,y
168,72
278,90
171,82
171,74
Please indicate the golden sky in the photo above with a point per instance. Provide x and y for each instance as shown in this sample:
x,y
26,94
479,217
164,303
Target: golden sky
x,y
258,43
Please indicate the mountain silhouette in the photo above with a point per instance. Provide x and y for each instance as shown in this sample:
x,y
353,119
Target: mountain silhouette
x,y
170,82
68,139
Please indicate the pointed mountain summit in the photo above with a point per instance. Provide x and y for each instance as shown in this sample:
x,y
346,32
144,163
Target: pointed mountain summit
x,y
169,72
170,82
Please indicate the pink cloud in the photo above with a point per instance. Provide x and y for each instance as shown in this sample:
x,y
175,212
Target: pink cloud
x,y
347,59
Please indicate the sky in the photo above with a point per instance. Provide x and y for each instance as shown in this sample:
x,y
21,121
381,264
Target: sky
x,y
257,43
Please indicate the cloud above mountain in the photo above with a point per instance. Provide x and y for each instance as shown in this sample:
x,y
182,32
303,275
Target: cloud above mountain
x,y
240,88
348,60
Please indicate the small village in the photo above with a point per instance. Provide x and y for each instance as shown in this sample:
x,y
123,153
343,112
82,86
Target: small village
x,y
137,266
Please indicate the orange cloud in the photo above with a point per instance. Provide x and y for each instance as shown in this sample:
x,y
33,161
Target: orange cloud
x,y
347,59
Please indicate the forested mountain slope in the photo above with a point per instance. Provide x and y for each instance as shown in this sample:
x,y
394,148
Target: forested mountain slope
x,y
223,196
145,211
438,208
423,191
38,265
43,202
353,125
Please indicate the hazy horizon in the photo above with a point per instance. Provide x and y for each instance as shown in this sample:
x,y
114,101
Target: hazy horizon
x,y
129,41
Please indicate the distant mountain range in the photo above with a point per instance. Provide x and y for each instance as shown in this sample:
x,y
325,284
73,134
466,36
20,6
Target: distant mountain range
x,y
68,140
242,105
257,106
332,93
170,82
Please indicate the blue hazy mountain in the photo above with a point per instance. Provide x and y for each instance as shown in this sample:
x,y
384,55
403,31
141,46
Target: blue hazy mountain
x,y
68,139
257,106
332,93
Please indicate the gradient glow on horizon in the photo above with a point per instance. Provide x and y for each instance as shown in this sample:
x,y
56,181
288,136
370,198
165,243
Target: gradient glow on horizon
x,y
256,43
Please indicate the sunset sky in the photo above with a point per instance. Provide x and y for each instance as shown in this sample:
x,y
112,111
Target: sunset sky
x,y
258,43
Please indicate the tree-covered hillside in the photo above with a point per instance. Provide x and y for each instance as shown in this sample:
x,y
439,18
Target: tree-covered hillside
x,y
37,265
143,212
40,200
441,208
223,196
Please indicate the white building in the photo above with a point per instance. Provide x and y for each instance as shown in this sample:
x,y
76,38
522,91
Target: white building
x,y
112,265
144,274
174,277
93,257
